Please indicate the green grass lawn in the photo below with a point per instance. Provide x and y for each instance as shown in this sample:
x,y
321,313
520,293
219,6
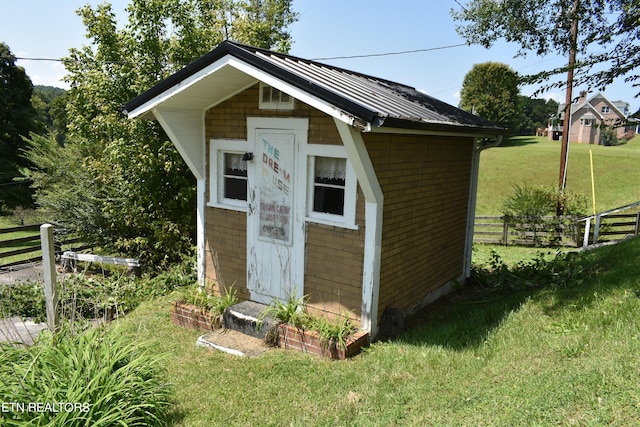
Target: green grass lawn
x,y
556,356
536,161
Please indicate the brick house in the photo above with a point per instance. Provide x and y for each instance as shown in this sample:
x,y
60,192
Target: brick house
x,y
589,116
313,180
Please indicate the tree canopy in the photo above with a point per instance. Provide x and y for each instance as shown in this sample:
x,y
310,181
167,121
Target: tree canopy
x,y
536,113
608,34
17,120
490,90
134,192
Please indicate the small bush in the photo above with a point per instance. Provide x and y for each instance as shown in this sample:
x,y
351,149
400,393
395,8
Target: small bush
x,y
24,299
87,296
94,378
527,201
529,205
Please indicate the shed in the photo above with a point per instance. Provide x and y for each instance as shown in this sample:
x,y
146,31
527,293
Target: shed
x,y
354,191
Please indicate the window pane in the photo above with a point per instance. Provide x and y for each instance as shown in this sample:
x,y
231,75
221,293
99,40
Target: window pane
x,y
235,176
235,188
328,200
329,185
266,93
330,169
233,165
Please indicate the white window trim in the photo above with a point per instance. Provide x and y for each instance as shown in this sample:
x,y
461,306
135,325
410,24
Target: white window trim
x,y
348,219
217,147
262,105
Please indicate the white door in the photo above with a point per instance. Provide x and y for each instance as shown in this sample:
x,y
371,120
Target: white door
x,y
275,235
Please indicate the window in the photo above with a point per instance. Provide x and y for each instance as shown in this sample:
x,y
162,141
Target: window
x,y
228,174
274,99
329,185
234,176
586,122
605,109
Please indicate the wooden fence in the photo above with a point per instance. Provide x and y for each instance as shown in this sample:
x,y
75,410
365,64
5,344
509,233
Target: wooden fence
x,y
556,231
27,247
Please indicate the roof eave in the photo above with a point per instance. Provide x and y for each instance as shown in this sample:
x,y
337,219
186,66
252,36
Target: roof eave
x,y
440,128
360,113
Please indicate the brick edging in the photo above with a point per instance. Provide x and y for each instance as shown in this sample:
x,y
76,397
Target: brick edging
x,y
191,316
307,341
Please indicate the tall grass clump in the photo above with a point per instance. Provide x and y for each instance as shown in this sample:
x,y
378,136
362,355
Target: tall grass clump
x,y
95,378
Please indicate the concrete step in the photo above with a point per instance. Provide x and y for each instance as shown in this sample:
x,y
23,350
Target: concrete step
x,y
233,342
246,317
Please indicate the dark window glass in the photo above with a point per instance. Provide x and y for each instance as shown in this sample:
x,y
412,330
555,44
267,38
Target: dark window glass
x,y
329,185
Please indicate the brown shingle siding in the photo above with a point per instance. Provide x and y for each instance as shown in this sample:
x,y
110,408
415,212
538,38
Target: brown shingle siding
x,y
425,181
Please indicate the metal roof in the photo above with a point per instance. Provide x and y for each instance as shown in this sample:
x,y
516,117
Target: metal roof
x,y
370,101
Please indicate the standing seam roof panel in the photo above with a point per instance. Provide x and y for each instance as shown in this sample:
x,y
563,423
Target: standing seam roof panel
x,y
365,91
370,93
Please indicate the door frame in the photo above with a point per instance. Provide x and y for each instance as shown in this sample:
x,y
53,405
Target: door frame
x,y
255,244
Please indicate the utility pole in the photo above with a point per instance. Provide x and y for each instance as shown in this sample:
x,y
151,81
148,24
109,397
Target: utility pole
x,y
564,151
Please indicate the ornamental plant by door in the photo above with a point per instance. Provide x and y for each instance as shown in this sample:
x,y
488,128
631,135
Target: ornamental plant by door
x,y
197,309
298,330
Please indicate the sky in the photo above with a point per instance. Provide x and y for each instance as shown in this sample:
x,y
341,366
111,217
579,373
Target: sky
x,y
325,29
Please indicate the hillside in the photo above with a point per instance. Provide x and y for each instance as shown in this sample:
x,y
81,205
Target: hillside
x,y
545,355
536,161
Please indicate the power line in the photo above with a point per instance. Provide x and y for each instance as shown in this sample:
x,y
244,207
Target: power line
x,y
404,52
38,59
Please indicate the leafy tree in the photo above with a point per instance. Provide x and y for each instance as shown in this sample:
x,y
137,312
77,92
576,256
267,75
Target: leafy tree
x,y
50,105
17,120
490,90
608,32
137,195
535,113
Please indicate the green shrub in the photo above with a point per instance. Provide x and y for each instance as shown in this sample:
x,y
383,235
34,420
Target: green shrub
x,y
24,299
528,205
87,296
94,378
529,201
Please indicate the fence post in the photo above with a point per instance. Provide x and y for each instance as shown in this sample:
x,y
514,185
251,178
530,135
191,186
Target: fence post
x,y
596,230
49,270
637,229
587,233
505,230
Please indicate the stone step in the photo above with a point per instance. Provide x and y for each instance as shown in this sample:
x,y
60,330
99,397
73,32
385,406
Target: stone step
x,y
246,317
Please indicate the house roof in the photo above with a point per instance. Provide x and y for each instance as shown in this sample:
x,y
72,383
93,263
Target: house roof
x,y
619,107
361,100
